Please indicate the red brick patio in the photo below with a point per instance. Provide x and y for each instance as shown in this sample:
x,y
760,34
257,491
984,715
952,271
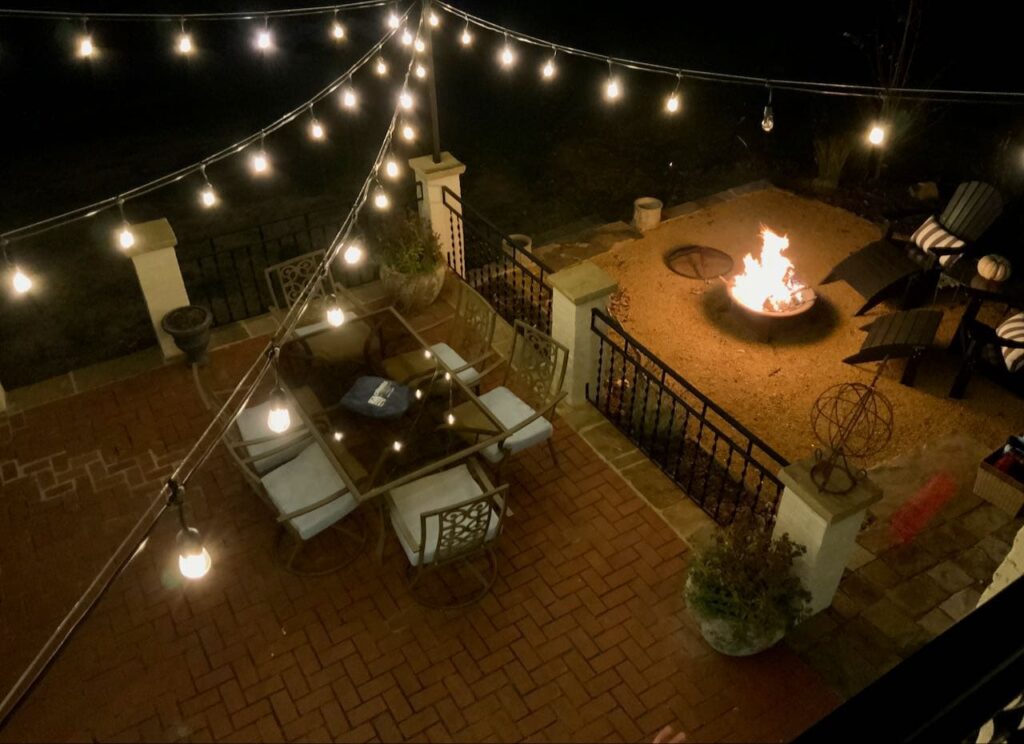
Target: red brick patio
x,y
584,636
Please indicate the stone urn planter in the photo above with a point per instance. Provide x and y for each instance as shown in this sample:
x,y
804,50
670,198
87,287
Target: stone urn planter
x,y
520,241
413,292
189,326
646,213
727,637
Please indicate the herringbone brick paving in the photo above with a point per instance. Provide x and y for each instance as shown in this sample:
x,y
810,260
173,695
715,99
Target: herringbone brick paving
x,y
584,636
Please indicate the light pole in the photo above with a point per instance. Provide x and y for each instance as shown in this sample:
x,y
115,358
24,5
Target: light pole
x,y
428,51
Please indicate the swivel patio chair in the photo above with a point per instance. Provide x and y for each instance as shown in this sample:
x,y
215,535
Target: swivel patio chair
x,y
445,522
998,352
885,267
527,397
467,347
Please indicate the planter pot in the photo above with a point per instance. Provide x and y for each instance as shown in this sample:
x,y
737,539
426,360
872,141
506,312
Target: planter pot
x,y
520,241
721,634
412,292
646,213
189,326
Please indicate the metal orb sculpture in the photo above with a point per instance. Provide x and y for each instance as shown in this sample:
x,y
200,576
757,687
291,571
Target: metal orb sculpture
x,y
851,420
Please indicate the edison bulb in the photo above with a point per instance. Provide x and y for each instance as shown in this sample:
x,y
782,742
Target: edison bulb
x,y
419,45
338,436
451,419
335,316
433,20
672,103
548,70
337,31
419,394
393,20
21,281
408,132
348,98
877,135
85,47
397,446
208,197
185,44
612,90
353,254
195,565
391,168
466,38
406,37
405,100
278,419
316,130
263,39
421,71
260,163
126,237
768,120
427,353
508,57
380,198
382,66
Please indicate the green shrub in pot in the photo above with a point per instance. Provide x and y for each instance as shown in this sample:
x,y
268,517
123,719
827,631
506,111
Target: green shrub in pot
x,y
412,268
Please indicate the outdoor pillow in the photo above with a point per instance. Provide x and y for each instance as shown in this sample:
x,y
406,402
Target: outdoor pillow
x,y
933,235
376,397
1013,329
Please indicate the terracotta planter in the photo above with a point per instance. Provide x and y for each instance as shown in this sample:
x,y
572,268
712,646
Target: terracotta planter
x,y
721,634
412,292
189,326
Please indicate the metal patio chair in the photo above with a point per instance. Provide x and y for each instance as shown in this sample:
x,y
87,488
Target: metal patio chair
x,y
879,269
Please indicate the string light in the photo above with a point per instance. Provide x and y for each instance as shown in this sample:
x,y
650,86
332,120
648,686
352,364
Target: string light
x,y
548,70
408,132
337,30
673,102
421,71
316,129
433,19
184,44
264,39
393,19
335,315
418,393
451,418
349,99
405,100
380,198
406,37
508,57
125,237
279,419
353,254
391,169
768,119
419,45
20,281
612,91
397,446
466,38
381,67
876,136
207,195
259,162
194,560
338,436
85,49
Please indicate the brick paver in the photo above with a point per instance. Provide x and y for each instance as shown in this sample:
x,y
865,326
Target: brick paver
x,y
584,636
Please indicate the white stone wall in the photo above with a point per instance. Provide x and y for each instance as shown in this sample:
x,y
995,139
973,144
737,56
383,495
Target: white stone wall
x,y
1011,569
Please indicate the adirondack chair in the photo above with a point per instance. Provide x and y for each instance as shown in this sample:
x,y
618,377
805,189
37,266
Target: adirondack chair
x,y
883,268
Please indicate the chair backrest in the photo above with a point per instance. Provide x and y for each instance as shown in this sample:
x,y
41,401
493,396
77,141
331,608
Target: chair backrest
x,y
472,329
287,279
536,365
465,528
972,210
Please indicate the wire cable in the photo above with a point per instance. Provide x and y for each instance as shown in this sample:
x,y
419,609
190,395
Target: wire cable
x,y
243,15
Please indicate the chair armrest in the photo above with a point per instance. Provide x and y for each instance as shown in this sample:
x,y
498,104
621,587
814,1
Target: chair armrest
x,y
948,251
399,525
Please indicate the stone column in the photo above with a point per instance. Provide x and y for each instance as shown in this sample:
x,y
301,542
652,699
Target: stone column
x,y
156,265
431,177
826,524
576,291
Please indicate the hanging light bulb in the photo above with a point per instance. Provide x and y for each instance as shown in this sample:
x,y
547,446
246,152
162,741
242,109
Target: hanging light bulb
x,y
419,45
406,37
260,162
508,57
548,70
396,446
405,100
393,19
768,119
279,419
184,42
335,315
193,558
337,30
408,132
418,393
348,97
207,194
125,237
85,48
876,136
20,281
466,38
674,100
433,19
451,418
338,436
264,39
612,90
380,198
316,129
381,67
428,354
353,254
391,169
421,71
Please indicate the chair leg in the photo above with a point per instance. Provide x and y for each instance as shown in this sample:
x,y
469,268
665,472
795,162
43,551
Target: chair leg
x,y
551,449
910,371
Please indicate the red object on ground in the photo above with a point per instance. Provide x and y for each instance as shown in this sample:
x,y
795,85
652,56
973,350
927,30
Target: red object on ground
x,y
915,514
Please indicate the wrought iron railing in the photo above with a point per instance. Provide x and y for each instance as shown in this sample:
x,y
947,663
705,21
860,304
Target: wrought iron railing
x,y
225,273
507,274
965,685
710,455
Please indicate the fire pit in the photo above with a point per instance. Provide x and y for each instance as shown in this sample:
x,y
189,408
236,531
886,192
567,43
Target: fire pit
x,y
768,286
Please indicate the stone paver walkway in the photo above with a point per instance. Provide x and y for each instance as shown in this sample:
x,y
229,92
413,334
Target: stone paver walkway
x,y
584,637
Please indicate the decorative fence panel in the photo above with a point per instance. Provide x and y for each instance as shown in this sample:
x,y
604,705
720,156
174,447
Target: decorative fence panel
x,y
506,274
226,273
713,458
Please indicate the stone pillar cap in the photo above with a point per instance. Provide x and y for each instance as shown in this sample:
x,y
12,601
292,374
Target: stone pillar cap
x,y
830,506
426,167
583,282
152,236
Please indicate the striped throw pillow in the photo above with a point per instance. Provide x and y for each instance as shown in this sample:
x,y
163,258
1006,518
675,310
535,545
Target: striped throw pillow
x,y
1013,329
933,235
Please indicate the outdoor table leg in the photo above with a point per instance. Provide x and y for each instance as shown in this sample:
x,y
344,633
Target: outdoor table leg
x,y
381,509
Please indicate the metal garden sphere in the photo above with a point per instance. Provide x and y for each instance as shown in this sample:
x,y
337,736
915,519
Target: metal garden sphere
x,y
853,418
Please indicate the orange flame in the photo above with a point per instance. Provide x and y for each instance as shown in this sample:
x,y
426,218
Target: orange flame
x,y
768,283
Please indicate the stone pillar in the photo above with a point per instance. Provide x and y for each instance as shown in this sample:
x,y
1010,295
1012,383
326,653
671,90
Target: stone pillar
x,y
156,265
576,291
826,524
431,177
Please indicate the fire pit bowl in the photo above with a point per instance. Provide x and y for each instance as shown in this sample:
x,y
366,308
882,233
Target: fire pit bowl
x,y
768,285
806,302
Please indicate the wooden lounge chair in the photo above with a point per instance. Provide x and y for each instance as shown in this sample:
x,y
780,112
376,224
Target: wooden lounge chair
x,y
906,333
885,267
998,352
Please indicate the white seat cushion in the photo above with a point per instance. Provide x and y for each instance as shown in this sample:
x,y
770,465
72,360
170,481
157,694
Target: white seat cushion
x,y
510,411
437,491
453,360
252,425
931,235
1013,329
307,479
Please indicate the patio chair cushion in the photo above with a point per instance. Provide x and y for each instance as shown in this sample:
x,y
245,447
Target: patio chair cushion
x,y
511,410
454,360
932,234
414,364
1013,329
307,479
252,424
437,491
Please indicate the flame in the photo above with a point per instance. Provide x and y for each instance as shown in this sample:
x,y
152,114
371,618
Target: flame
x,y
768,284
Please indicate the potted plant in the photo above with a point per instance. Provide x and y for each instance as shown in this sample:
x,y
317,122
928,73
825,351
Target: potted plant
x,y
189,326
741,588
411,267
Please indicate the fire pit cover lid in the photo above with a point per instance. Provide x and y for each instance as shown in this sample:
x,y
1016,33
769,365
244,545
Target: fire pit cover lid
x,y
699,262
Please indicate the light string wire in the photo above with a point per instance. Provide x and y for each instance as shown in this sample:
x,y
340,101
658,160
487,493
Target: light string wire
x,y
231,15
91,210
938,95
201,450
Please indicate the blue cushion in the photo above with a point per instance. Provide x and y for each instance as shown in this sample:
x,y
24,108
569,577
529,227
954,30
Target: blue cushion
x,y
377,397
304,481
511,410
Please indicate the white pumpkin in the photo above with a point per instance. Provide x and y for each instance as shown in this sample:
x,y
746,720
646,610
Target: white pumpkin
x,y
993,267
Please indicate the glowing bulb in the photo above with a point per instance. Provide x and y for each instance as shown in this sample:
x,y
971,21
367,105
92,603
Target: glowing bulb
x,y
421,71
548,70
406,37
768,121
419,46
508,57
337,31
877,135
335,316
85,46
405,100
260,163
672,103
397,446
433,20
419,394
427,353
193,559
21,281
353,254
451,419
264,39
279,419
126,237
408,132
208,197
185,43
382,66
447,376
380,198
393,20
612,90
338,436
348,98
391,168
466,38
316,130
